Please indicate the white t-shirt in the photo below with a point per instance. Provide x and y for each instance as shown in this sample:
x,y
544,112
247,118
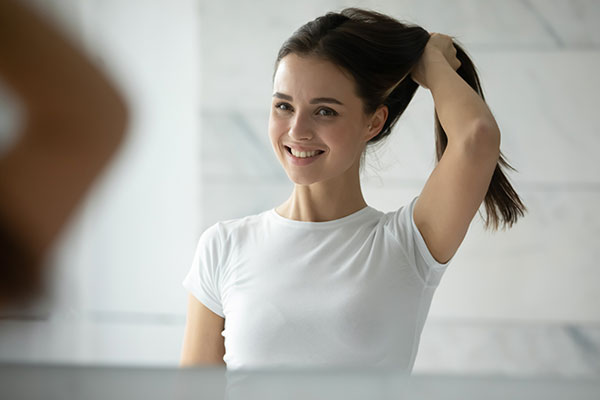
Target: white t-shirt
x,y
348,292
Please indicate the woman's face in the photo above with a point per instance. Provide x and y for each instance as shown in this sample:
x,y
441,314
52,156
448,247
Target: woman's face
x,y
314,107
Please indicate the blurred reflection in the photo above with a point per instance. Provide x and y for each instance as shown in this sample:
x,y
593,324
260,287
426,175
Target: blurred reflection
x,y
75,120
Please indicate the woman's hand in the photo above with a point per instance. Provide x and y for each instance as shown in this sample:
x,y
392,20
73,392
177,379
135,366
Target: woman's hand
x,y
439,49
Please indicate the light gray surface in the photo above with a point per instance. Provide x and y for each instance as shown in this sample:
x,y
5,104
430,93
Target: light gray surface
x,y
76,382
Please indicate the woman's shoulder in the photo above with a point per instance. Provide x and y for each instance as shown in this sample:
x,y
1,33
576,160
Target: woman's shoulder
x,y
238,225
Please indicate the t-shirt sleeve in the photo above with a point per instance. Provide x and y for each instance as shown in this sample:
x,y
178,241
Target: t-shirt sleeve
x,y
203,278
401,225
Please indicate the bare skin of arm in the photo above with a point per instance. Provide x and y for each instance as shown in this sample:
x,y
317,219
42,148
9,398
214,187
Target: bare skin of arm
x,y
203,343
75,121
458,184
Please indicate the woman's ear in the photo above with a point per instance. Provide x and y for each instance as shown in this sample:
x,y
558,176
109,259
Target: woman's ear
x,y
377,121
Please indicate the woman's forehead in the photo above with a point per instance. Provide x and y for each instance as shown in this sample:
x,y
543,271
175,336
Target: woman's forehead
x,y
310,76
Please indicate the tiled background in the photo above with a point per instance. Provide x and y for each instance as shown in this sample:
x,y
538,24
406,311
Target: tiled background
x,y
524,301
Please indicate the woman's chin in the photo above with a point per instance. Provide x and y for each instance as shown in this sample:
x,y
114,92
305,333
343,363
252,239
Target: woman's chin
x,y
298,179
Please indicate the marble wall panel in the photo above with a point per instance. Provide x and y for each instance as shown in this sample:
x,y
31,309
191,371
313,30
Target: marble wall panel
x,y
89,341
574,23
240,43
508,349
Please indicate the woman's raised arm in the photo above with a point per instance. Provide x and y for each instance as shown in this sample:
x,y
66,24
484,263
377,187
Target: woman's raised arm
x,y
458,184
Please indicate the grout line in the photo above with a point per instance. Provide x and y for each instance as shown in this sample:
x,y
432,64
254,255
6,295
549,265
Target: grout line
x,y
508,322
24,317
572,328
538,186
109,317
135,317
102,317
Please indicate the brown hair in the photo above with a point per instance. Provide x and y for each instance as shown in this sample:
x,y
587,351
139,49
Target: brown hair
x,y
379,51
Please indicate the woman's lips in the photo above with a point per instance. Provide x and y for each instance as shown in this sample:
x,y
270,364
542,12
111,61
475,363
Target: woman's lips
x,y
302,148
302,161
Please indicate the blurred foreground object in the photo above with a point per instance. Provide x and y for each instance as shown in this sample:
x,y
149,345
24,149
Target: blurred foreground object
x,y
74,121
66,382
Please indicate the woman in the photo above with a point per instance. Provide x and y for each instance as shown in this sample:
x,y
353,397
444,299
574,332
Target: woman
x,y
324,279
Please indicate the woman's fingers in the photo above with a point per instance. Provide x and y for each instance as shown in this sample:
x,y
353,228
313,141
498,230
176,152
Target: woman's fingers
x,y
445,44
457,64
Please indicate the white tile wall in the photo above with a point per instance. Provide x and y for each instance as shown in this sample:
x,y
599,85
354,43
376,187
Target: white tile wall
x,y
518,302
573,22
510,348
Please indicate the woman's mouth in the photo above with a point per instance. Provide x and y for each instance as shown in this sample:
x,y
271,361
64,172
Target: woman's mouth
x,y
303,158
303,154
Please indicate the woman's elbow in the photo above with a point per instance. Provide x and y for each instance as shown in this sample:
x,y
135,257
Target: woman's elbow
x,y
483,142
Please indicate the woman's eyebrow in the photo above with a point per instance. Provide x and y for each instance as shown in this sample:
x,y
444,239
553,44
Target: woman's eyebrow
x,y
326,100
316,100
283,96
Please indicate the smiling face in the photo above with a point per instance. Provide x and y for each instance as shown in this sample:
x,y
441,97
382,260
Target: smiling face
x,y
314,107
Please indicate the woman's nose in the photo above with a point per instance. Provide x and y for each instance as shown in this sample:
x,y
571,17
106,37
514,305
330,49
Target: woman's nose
x,y
301,128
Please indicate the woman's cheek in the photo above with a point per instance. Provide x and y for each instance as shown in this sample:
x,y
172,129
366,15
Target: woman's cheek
x,y
272,126
276,131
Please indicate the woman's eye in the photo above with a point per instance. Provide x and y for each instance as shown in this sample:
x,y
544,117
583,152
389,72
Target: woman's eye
x,y
283,106
326,112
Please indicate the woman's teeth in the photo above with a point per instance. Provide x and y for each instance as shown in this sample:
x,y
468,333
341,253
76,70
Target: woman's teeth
x,y
304,154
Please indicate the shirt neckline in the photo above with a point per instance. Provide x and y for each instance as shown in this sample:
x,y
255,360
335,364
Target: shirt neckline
x,y
324,224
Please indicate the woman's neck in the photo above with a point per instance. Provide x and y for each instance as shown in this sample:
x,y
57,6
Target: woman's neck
x,y
324,201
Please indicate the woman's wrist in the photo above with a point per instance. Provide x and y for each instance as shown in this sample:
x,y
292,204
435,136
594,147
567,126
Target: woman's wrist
x,y
437,72
430,65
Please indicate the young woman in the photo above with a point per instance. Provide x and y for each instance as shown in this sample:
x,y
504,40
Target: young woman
x,y
324,279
